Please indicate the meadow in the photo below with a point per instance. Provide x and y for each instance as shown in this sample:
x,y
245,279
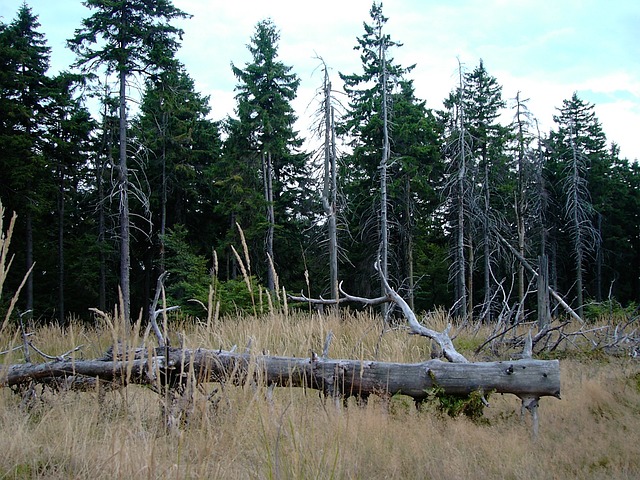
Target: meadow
x,y
242,432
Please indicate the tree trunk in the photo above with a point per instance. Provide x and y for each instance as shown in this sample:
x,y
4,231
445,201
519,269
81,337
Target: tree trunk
x,y
599,261
61,243
333,227
486,307
102,283
471,261
163,212
524,378
464,295
409,243
520,204
268,196
329,187
123,186
29,259
384,226
544,310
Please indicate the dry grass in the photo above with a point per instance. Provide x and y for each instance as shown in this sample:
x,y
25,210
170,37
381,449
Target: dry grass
x,y
593,432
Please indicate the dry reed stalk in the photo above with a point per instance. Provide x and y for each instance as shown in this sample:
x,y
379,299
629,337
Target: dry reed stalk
x,y
245,276
276,280
5,241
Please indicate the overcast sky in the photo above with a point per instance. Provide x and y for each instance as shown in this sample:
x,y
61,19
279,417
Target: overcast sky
x,y
546,49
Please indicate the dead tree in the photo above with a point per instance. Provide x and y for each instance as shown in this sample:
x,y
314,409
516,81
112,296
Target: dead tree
x,y
172,367
174,373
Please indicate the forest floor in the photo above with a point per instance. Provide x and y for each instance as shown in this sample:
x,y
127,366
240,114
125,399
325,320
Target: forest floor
x,y
592,432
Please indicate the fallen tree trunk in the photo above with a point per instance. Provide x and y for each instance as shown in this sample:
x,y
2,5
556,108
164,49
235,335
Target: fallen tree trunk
x,y
173,367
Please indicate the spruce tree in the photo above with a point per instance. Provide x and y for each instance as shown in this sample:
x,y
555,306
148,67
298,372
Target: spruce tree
x,y
25,98
415,182
483,104
127,37
181,147
265,91
577,147
366,122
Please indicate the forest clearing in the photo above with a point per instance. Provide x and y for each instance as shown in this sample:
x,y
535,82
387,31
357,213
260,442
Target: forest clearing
x,y
469,285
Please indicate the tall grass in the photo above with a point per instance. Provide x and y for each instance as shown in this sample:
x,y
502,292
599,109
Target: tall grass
x,y
248,432
593,432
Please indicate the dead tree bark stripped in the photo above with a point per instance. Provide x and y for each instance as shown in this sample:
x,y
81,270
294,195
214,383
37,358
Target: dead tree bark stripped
x,y
344,378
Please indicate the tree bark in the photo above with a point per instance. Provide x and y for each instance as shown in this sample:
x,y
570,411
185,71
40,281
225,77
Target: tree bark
x,y
123,185
267,167
544,310
336,378
29,258
384,226
464,296
61,275
329,189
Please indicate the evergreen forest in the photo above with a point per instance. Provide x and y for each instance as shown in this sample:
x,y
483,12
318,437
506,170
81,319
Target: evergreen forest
x,y
454,207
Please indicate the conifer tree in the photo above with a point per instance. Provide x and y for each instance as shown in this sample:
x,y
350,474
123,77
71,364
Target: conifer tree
x,y
127,37
367,123
483,104
578,146
25,100
181,147
266,89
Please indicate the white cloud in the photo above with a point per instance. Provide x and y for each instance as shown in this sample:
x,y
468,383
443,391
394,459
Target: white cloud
x,y
546,49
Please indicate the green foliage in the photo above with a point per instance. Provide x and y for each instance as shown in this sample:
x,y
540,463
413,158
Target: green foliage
x,y
59,176
235,298
134,34
471,406
264,155
610,310
189,282
189,278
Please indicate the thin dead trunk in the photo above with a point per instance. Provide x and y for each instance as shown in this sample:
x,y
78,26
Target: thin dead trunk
x,y
333,228
409,242
384,226
268,196
123,187
61,244
520,202
464,294
486,243
329,195
102,283
163,213
544,310
29,261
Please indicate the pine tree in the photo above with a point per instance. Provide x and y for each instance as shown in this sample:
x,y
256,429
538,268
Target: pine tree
x,y
415,180
483,104
67,147
25,97
181,147
458,196
576,147
126,36
266,124
367,123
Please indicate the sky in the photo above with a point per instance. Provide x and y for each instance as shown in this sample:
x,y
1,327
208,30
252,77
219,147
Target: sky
x,y
544,49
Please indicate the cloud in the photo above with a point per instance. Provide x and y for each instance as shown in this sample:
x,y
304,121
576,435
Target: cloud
x,y
546,49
